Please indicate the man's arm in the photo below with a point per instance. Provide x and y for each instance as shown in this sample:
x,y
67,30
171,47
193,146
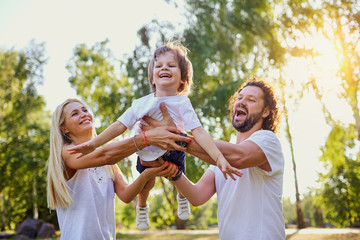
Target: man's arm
x,y
243,155
200,192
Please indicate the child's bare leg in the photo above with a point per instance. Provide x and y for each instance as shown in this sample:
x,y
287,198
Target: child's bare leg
x,y
144,193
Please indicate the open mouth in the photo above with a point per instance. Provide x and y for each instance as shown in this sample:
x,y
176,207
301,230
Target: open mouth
x,y
165,75
85,121
240,113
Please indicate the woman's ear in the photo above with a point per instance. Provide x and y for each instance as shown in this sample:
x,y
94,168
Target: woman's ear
x,y
63,129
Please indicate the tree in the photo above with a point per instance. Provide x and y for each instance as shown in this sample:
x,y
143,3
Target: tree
x,y
24,137
341,184
99,79
337,22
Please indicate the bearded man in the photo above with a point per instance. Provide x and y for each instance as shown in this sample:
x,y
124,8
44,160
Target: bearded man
x,y
251,206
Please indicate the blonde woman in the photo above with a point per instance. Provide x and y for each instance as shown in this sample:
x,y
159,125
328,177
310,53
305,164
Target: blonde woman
x,y
82,190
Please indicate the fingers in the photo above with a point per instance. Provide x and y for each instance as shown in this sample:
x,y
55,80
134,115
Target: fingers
x,y
80,155
149,120
164,110
231,171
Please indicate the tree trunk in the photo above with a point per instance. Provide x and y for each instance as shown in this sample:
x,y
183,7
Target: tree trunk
x,y
300,216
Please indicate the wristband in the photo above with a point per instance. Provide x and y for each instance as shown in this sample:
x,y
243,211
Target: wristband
x,y
135,143
143,133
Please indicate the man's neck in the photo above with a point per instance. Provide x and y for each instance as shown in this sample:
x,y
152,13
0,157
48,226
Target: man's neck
x,y
242,136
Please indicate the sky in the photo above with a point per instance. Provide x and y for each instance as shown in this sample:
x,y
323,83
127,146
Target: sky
x,y
62,25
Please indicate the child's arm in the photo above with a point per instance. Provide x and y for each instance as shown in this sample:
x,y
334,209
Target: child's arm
x,y
203,138
109,133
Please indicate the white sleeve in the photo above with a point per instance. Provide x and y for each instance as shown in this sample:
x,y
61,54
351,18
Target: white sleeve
x,y
128,118
270,144
189,117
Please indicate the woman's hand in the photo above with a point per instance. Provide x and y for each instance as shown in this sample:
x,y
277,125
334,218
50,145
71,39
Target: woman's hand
x,y
168,169
165,138
164,133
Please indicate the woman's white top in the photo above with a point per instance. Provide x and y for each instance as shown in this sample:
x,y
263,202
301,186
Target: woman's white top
x,y
179,108
92,214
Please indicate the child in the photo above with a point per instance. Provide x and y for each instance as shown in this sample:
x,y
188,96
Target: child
x,y
170,78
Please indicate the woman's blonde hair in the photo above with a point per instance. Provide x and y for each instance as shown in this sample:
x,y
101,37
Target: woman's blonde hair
x,y
58,192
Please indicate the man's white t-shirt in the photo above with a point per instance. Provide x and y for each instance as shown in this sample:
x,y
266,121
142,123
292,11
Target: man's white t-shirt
x,y
92,214
250,208
179,108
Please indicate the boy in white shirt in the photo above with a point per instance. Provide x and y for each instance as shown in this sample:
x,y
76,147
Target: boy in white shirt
x,y
170,78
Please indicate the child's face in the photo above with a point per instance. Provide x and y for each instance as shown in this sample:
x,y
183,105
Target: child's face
x,y
167,75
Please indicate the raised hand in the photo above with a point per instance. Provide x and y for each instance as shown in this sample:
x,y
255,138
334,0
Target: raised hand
x,y
83,148
226,168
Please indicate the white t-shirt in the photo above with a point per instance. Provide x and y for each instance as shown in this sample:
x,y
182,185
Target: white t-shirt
x,y
250,208
179,108
92,214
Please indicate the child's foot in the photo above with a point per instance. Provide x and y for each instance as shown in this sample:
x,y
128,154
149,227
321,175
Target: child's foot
x,y
142,217
183,208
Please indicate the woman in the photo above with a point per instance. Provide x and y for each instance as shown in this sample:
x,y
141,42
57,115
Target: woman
x,y
82,190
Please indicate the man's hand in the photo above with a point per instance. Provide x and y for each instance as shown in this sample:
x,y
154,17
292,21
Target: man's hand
x,y
167,120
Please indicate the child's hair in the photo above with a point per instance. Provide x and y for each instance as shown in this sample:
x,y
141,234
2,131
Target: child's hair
x,y
58,192
185,66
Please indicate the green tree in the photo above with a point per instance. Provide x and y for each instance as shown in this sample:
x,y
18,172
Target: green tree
x,y
340,191
24,137
338,22
99,79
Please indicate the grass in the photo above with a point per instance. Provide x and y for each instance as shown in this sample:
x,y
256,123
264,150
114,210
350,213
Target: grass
x,y
199,235
164,235
347,236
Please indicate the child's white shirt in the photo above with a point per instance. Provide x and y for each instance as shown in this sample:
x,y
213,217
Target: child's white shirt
x,y
179,108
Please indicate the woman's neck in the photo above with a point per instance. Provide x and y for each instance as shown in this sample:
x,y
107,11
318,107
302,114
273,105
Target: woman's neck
x,y
80,139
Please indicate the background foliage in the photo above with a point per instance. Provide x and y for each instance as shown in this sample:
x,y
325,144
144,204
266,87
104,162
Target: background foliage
x,y
229,41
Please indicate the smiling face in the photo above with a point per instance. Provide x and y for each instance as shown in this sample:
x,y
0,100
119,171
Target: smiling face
x,y
77,120
166,75
249,109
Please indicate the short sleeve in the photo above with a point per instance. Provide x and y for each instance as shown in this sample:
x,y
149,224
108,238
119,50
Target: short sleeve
x,y
190,119
128,118
270,145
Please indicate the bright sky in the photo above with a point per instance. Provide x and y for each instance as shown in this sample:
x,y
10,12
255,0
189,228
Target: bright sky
x,y
64,24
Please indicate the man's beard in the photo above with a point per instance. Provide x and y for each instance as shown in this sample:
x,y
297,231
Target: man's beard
x,y
248,123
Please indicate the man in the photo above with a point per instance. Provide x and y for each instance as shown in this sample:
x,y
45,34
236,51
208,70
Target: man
x,y
251,206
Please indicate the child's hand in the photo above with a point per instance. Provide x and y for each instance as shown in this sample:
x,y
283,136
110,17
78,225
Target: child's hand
x,y
83,149
226,168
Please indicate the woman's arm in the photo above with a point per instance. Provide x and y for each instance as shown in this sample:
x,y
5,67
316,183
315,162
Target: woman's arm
x,y
127,192
200,192
111,153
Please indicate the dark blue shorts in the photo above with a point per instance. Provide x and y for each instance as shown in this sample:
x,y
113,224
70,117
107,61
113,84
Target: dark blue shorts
x,y
175,156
